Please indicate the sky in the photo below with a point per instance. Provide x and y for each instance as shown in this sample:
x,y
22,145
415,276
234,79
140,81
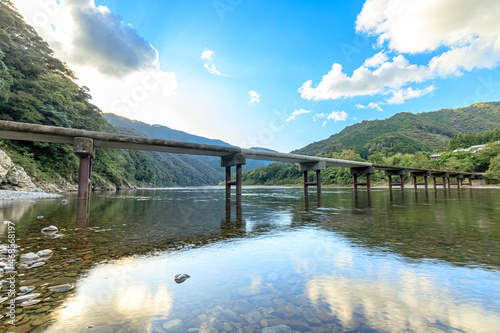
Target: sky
x,y
278,74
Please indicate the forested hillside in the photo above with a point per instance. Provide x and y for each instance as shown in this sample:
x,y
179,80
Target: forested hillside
x,y
166,133
408,132
36,87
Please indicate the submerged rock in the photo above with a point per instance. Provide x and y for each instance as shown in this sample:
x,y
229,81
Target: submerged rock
x,y
277,329
51,229
37,264
25,298
173,325
179,278
61,288
26,289
64,202
45,254
29,257
30,302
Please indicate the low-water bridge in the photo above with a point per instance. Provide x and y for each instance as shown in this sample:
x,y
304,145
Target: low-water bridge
x,y
84,143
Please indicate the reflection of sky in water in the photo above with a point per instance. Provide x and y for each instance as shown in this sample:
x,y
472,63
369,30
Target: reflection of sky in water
x,y
385,291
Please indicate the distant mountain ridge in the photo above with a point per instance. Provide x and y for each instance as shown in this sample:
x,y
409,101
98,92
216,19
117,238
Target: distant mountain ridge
x,y
161,132
166,133
408,132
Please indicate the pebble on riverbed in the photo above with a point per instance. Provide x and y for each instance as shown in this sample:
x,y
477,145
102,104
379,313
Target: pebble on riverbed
x,y
180,278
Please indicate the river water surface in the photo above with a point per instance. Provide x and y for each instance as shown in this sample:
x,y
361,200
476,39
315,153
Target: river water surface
x,y
352,263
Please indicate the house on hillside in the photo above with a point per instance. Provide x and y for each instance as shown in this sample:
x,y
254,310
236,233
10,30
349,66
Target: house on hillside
x,y
471,149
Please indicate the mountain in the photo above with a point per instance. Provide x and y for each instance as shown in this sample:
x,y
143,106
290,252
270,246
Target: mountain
x,y
36,87
166,133
408,132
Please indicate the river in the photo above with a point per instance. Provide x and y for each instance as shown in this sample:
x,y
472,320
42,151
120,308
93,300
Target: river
x,y
422,262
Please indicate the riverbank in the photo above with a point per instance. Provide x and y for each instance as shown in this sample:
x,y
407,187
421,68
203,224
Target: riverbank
x,y
24,195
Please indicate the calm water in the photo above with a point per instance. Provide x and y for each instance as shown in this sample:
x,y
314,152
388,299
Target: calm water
x,y
422,263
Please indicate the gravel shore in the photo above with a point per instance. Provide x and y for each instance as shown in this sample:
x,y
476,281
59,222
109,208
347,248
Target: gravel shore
x,y
20,195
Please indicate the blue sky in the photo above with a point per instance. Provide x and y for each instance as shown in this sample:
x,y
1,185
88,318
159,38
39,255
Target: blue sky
x,y
274,74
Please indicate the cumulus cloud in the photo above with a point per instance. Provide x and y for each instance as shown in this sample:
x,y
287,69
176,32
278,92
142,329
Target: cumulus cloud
x,y
462,33
109,56
377,60
84,34
254,96
337,116
296,113
372,105
400,96
208,55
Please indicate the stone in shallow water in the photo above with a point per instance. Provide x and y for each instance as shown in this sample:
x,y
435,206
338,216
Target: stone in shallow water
x,y
30,302
61,288
179,278
26,289
39,217
25,298
173,325
64,202
29,257
253,317
310,317
277,329
43,254
37,264
52,228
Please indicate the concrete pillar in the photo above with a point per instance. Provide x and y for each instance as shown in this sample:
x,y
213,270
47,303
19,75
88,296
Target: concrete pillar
x,y
84,149
435,184
368,171
228,180
228,161
395,172
402,177
449,183
312,166
426,184
239,174
318,181
306,190
415,182
458,182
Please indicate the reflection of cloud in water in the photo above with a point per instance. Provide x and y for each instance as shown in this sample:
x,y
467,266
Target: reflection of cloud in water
x,y
112,294
408,302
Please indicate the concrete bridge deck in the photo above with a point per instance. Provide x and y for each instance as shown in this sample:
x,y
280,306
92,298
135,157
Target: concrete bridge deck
x,y
84,143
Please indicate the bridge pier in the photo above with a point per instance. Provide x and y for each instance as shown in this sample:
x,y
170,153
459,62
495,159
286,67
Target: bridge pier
x,y
228,161
424,174
84,149
368,171
396,172
312,166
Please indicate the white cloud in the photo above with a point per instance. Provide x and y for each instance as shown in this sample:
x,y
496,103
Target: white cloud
x,y
463,33
400,96
320,115
121,69
337,116
324,124
296,113
372,105
84,34
208,55
377,60
254,96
